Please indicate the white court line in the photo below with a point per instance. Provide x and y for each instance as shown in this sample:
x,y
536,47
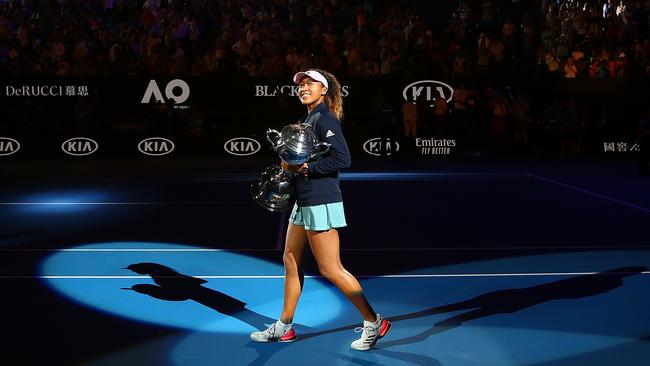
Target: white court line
x,y
145,250
608,198
116,203
282,277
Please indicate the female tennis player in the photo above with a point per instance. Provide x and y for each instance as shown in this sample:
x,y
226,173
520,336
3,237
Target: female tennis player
x,y
318,213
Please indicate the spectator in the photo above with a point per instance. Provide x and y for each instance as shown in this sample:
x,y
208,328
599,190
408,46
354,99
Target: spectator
x,y
594,68
622,66
552,61
461,67
498,51
440,115
508,32
483,51
460,98
570,69
410,118
499,122
578,57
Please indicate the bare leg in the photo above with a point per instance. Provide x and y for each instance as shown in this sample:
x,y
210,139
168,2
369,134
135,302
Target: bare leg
x,y
325,246
294,277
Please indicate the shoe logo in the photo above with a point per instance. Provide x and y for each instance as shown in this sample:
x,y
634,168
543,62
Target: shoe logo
x,y
329,133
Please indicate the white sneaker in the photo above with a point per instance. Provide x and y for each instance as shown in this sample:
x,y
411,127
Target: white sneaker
x,y
371,333
276,332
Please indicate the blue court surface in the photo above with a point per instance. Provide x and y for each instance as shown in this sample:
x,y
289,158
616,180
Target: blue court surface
x,y
500,263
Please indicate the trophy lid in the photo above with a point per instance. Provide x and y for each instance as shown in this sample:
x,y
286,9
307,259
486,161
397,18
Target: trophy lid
x,y
299,137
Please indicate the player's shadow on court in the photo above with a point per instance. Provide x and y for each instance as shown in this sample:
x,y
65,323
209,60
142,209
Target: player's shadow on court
x,y
514,300
173,286
506,301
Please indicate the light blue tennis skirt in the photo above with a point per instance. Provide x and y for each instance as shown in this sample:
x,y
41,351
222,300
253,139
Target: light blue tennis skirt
x,y
320,217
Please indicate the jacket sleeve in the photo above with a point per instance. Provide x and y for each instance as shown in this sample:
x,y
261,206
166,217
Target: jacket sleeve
x,y
329,130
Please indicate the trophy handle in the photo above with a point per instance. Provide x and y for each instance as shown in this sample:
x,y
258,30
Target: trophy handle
x,y
321,148
274,138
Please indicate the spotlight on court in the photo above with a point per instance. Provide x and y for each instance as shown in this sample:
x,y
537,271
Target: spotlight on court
x,y
182,286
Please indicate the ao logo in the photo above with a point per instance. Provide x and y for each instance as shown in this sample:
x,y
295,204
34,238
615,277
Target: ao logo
x,y
153,90
430,89
242,146
8,146
156,146
79,146
380,146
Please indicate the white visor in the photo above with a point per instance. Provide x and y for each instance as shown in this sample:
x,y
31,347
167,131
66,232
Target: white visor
x,y
312,74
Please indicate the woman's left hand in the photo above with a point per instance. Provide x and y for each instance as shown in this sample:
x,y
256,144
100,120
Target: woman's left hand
x,y
295,168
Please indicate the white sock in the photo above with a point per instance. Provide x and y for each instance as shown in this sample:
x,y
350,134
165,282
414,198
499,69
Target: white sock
x,y
284,326
374,324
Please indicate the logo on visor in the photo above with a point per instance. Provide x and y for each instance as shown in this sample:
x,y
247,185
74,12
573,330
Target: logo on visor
x,y
156,146
380,146
79,146
429,90
8,146
242,146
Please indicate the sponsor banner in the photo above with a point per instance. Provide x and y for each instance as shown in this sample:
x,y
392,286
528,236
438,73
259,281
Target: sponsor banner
x,y
194,112
395,145
156,146
428,90
79,146
621,147
381,146
435,146
242,146
290,90
46,90
177,92
8,146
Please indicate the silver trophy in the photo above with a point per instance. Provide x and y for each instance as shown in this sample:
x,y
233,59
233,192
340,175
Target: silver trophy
x,y
274,190
297,143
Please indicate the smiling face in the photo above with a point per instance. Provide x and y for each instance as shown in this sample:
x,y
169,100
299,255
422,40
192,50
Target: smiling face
x,y
311,92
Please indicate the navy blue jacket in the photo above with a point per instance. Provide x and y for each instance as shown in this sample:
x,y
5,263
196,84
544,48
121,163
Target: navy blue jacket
x,y
321,185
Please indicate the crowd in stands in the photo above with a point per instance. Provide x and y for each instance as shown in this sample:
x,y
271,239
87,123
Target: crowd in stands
x,y
514,121
567,38
456,41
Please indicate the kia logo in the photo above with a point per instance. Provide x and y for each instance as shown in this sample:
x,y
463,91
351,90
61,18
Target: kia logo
x,y
153,90
380,146
156,146
8,146
429,89
242,146
79,146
